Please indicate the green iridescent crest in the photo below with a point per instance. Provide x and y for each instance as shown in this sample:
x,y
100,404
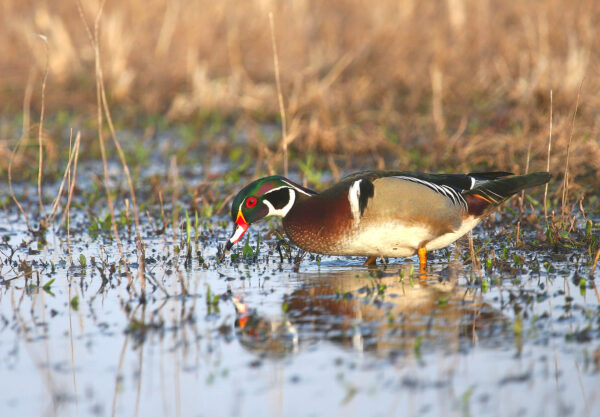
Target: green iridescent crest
x,y
250,199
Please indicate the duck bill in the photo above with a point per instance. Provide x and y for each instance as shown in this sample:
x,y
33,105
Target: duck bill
x,y
242,226
241,310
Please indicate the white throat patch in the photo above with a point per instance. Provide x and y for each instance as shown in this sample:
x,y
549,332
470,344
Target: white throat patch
x,y
282,212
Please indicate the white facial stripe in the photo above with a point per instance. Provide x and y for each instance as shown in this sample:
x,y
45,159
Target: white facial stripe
x,y
294,187
353,198
473,182
275,189
239,231
282,212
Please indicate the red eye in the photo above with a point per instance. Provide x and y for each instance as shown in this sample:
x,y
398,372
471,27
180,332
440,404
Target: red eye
x,y
251,202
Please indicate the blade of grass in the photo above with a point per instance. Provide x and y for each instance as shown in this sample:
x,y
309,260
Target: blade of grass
x,y
279,97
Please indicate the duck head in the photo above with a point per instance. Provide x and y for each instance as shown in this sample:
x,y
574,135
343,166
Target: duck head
x,y
268,196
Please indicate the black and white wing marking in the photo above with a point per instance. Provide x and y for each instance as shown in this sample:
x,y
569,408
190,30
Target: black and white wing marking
x,y
451,193
359,194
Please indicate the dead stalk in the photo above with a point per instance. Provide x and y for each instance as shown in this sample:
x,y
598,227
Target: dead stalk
x,y
437,109
136,214
24,136
284,143
595,263
565,184
155,230
162,207
71,187
41,126
475,263
548,161
526,172
73,152
94,39
118,375
71,182
174,180
27,103
10,187
26,274
335,171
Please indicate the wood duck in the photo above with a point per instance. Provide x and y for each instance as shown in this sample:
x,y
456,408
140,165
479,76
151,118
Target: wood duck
x,y
378,213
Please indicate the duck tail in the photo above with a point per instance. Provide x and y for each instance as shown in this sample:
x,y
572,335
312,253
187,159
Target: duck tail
x,y
490,194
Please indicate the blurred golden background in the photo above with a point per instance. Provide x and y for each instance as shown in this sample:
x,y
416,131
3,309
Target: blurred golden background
x,y
454,83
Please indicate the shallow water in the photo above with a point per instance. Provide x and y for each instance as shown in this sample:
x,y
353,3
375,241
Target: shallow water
x,y
261,337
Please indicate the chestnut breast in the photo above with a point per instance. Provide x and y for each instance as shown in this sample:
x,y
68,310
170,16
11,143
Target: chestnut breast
x,y
319,224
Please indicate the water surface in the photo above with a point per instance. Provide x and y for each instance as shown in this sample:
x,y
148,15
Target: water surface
x,y
263,336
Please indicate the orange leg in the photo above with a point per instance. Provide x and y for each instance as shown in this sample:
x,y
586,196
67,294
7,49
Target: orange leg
x,y
422,252
371,261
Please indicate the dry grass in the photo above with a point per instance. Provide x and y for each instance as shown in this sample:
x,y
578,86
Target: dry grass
x,y
469,77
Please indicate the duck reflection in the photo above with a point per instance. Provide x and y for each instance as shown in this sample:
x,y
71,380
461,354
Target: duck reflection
x,y
387,312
